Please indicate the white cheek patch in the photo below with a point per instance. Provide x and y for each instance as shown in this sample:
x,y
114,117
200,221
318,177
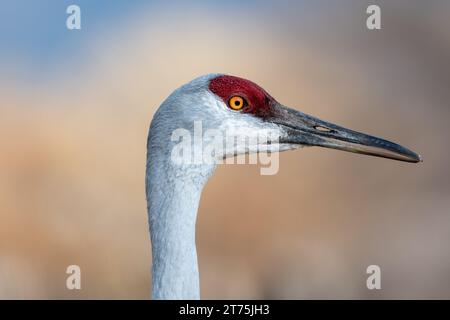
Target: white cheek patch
x,y
231,137
251,141
251,128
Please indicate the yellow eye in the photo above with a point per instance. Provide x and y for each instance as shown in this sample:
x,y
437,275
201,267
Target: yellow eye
x,y
236,103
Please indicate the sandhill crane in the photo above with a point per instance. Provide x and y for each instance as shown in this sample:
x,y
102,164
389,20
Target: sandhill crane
x,y
231,105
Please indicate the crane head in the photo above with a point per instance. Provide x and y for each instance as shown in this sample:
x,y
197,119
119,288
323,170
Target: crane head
x,y
239,107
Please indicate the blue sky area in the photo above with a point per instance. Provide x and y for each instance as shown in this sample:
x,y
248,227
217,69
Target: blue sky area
x,y
34,39
36,30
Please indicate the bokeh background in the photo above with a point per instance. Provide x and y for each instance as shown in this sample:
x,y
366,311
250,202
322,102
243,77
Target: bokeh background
x,y
75,107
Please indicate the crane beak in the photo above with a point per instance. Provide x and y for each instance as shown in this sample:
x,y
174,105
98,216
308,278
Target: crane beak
x,y
302,129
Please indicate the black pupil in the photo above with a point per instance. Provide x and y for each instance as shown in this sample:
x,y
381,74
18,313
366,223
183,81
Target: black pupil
x,y
237,103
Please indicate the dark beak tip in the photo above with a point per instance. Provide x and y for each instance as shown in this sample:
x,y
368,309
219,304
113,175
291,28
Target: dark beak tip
x,y
415,158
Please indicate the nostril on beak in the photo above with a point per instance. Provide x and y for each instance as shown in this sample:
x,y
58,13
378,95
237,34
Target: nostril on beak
x,y
323,129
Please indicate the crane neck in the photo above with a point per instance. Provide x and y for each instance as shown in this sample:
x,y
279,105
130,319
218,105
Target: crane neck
x,y
173,196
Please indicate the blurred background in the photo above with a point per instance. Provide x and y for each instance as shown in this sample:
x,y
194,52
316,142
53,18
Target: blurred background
x,y
75,107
